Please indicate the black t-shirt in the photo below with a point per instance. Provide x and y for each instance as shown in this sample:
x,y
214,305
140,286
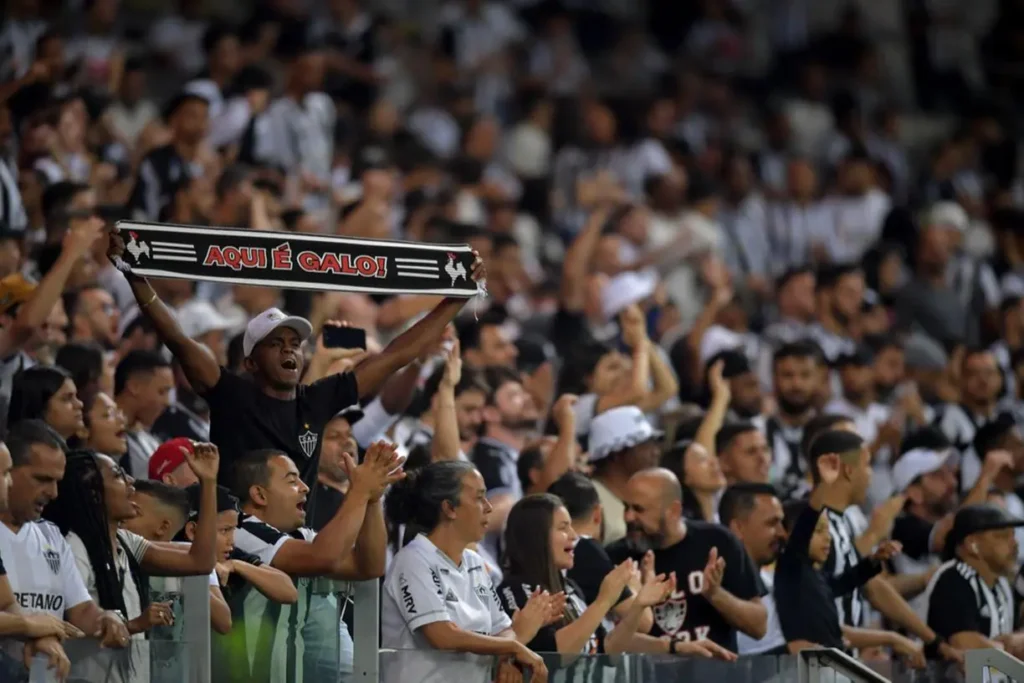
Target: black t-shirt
x,y
687,615
960,601
590,565
244,419
514,592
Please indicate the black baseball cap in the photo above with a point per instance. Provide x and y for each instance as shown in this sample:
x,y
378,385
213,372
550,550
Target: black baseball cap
x,y
973,519
371,158
226,501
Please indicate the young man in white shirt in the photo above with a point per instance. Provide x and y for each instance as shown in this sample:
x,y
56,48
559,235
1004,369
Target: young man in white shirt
x,y
40,566
351,546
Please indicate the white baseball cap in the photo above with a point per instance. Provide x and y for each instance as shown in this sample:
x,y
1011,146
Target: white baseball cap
x,y
268,321
917,462
626,289
618,429
198,317
949,214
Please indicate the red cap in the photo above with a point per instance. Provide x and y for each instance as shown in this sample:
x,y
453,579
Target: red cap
x,y
168,457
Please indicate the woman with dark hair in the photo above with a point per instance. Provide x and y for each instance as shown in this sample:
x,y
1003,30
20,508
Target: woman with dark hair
x,y
89,367
437,593
47,393
93,499
106,428
699,475
539,543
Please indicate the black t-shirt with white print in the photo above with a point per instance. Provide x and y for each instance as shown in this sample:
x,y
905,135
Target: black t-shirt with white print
x,y
244,419
687,615
959,600
514,592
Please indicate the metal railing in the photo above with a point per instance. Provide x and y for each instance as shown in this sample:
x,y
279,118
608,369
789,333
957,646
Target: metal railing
x,y
812,662
977,663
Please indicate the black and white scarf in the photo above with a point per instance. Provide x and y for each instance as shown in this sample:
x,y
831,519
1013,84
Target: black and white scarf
x,y
296,261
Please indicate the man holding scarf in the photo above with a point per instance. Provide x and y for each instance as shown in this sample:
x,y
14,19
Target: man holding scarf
x,y
267,407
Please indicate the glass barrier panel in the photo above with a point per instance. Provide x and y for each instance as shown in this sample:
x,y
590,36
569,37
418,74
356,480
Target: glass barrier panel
x,y
91,663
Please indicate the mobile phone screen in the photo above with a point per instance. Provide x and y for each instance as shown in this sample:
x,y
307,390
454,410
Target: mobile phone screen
x,y
344,337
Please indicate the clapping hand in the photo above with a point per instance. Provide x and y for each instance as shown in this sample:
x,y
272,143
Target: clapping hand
x,y
616,580
204,460
541,609
381,467
714,571
657,590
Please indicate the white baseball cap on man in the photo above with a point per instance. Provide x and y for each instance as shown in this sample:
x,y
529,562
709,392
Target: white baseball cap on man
x,y
198,317
618,429
918,462
269,320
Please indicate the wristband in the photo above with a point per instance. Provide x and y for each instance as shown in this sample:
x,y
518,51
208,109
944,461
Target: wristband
x,y
931,648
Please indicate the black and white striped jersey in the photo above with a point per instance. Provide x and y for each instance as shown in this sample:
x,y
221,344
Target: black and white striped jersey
x,y
843,557
959,600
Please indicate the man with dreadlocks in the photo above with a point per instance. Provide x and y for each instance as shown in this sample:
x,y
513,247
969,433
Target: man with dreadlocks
x,y
39,562
93,501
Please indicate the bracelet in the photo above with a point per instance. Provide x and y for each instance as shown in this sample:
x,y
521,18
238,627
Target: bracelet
x,y
931,649
151,300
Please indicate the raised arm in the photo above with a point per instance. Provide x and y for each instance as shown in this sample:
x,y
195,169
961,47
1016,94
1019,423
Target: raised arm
x,y
178,559
414,342
197,361
446,443
79,239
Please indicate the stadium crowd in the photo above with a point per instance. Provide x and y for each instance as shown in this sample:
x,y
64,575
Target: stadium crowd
x,y
748,376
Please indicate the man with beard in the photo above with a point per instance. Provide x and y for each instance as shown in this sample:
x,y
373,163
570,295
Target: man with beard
x,y
840,295
717,588
979,394
926,475
461,391
506,426
622,442
94,316
753,512
744,388
795,378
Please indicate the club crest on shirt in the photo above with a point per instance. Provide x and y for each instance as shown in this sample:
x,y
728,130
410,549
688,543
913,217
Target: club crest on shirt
x,y
52,558
671,614
307,441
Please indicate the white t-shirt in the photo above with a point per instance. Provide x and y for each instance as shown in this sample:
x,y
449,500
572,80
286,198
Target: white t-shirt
x,y
99,667
424,586
41,570
773,637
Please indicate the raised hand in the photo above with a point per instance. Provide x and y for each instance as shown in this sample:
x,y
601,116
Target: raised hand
x,y
204,460
82,235
884,516
657,590
714,571
478,271
452,366
828,468
717,383
996,462
634,326
381,467
563,411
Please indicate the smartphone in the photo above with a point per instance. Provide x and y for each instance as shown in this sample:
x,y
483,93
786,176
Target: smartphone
x,y
336,337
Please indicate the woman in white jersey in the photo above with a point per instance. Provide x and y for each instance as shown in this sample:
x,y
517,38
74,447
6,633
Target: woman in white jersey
x,y
438,595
